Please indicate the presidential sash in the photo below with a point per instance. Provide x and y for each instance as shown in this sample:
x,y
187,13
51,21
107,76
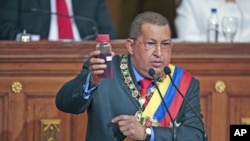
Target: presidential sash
x,y
155,114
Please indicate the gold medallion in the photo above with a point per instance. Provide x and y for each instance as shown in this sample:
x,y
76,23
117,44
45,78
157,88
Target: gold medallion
x,y
142,101
138,115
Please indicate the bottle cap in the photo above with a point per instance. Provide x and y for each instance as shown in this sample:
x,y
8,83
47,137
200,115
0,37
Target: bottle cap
x,y
213,10
102,38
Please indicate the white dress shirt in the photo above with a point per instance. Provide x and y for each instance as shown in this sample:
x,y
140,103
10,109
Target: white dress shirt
x,y
53,33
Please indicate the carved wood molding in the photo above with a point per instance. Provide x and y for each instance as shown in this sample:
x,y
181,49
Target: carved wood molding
x,y
198,58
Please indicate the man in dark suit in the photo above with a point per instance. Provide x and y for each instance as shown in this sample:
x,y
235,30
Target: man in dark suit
x,y
119,108
35,16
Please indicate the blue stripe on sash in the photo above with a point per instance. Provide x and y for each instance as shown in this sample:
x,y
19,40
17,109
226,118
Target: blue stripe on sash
x,y
170,94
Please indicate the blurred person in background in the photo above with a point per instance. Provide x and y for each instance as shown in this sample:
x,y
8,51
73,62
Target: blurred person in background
x,y
40,18
192,17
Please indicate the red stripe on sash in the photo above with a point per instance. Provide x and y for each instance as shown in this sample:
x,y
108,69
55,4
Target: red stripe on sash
x,y
178,100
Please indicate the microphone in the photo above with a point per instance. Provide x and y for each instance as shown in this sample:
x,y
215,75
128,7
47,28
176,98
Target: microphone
x,y
93,22
151,72
167,71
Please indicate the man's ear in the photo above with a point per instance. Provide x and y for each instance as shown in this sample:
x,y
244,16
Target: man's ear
x,y
129,45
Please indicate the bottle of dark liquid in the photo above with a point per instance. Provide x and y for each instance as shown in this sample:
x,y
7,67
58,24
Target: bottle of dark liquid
x,y
105,47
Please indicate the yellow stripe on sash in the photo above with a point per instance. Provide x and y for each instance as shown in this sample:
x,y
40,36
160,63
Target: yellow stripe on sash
x,y
156,100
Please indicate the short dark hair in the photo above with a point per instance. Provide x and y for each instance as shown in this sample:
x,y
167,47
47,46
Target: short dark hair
x,y
146,17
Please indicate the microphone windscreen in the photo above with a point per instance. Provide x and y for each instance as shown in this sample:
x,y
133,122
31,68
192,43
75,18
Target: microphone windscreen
x,y
151,72
167,70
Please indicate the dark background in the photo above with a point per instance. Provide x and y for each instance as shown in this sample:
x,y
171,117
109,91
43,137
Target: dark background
x,y
123,12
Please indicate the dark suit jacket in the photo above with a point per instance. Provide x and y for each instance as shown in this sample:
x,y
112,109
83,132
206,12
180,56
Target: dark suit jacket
x,y
16,15
112,97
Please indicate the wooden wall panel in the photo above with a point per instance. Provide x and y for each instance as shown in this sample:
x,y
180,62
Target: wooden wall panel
x,y
3,115
43,67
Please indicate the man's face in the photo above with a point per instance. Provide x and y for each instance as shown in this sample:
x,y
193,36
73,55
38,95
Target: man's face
x,y
152,49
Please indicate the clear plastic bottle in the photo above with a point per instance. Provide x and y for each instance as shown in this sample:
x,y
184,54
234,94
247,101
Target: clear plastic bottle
x,y
213,25
105,47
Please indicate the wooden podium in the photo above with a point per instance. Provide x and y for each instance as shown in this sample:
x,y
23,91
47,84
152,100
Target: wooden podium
x,y
32,73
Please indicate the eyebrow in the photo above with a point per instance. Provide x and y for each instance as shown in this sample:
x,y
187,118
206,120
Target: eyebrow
x,y
167,40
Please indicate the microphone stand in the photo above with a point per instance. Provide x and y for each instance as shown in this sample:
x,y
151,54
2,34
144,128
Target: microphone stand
x,y
166,107
152,74
167,71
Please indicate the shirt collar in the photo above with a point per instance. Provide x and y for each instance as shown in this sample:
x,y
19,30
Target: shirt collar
x,y
138,76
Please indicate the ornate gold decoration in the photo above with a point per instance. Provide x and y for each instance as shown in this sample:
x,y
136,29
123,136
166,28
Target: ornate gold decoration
x,y
220,86
134,91
245,121
50,129
17,87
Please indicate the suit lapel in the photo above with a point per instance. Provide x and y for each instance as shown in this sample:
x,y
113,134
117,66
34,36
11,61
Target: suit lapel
x,y
125,86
